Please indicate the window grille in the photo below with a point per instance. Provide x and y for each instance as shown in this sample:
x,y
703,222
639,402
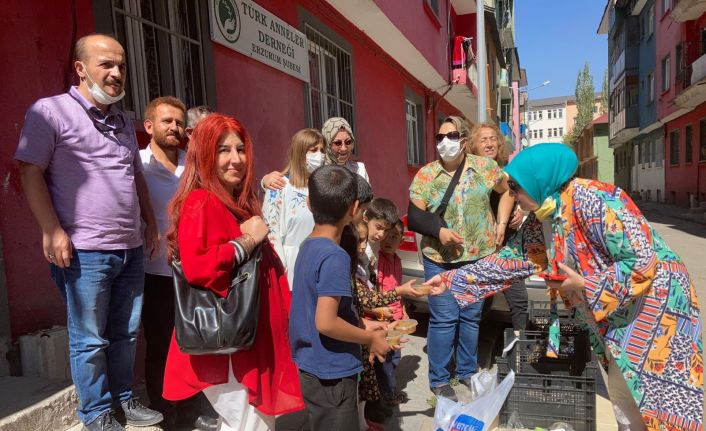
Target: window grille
x,y
674,147
702,140
330,88
415,145
162,40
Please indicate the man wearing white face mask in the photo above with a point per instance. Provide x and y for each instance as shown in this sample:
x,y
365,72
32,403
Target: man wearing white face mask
x,y
286,211
82,177
462,231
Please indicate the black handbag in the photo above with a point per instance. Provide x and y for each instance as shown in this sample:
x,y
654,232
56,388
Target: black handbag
x,y
430,223
205,323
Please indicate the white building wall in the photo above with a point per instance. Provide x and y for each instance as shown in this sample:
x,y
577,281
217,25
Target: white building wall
x,y
648,175
552,129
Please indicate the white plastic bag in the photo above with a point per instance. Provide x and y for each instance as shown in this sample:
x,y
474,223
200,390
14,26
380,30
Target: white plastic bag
x,y
478,414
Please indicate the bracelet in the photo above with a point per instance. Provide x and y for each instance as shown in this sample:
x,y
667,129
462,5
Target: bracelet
x,y
250,241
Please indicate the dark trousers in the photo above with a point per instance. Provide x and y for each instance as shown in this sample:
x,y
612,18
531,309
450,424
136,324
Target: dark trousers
x,y
386,372
332,404
158,325
516,297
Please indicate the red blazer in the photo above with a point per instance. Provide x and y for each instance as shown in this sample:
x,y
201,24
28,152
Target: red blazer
x,y
267,370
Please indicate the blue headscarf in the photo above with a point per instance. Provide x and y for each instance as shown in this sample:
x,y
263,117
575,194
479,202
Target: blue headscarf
x,y
542,169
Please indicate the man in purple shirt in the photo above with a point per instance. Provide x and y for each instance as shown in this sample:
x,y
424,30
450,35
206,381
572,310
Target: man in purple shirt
x,y
82,176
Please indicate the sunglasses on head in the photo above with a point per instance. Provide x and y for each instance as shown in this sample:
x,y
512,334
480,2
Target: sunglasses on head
x,y
454,136
512,185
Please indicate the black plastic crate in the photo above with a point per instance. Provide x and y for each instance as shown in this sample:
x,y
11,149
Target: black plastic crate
x,y
542,399
529,353
539,315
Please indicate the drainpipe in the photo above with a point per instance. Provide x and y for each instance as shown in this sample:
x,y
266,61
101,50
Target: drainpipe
x,y
480,47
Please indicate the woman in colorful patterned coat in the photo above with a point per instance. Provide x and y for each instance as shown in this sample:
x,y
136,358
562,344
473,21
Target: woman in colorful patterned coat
x,y
632,291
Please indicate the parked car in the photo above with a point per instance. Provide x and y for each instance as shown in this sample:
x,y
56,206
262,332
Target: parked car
x,y
496,308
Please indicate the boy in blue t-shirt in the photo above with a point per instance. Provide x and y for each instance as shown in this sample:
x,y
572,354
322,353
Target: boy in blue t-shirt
x,y
324,329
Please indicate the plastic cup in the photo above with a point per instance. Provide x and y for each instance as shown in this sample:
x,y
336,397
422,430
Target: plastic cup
x,y
406,326
393,337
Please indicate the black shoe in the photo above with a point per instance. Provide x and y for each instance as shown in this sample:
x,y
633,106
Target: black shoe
x,y
445,391
105,422
374,414
378,406
206,423
138,415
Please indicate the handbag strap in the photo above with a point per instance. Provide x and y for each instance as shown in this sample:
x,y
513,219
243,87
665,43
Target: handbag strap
x,y
450,189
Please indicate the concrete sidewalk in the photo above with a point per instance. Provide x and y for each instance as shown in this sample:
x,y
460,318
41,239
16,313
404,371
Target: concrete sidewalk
x,y
672,211
417,414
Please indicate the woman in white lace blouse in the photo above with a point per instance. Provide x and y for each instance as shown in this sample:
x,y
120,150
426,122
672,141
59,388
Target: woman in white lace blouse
x,y
285,210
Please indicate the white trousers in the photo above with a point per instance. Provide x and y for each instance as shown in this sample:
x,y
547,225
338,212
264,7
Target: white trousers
x,y
230,400
626,412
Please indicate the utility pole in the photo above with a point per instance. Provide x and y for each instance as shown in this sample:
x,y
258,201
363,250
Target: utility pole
x,y
480,47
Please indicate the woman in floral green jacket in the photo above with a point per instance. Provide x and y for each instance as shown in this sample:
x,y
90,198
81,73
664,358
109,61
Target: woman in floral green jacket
x,y
471,233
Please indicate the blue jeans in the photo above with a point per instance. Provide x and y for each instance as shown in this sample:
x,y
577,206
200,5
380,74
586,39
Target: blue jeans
x,y
103,293
450,328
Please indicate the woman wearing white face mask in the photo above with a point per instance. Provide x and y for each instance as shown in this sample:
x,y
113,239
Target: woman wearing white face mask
x,y
470,233
339,142
286,211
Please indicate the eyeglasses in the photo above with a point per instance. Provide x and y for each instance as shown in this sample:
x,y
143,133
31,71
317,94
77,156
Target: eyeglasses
x,y
338,142
487,139
454,136
512,185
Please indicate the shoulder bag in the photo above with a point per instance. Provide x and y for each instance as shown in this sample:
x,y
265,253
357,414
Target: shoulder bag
x,y
205,323
429,223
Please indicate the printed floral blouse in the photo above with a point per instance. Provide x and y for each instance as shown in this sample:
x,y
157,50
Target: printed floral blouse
x,y
468,212
639,304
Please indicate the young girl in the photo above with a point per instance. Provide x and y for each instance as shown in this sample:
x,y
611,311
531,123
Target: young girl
x,y
389,276
354,241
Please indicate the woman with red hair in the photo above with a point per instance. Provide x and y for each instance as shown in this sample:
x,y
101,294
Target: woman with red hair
x,y
216,224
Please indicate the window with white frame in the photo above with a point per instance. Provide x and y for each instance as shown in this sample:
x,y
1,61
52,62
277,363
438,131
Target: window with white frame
x,y
561,112
650,20
651,86
665,74
540,114
414,120
549,133
330,88
549,114
164,44
561,131
659,151
541,133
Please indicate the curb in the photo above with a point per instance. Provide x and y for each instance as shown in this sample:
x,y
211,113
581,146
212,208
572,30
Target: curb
x,y
57,412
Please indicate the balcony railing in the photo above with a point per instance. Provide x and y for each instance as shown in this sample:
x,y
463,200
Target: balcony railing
x,y
691,53
625,119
